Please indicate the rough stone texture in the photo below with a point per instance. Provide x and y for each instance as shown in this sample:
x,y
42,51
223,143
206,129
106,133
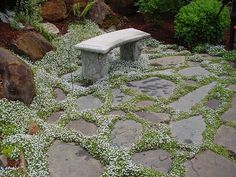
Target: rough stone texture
x,y
94,66
100,11
158,160
60,95
190,82
125,133
145,103
54,10
209,164
3,161
226,137
88,102
188,131
51,28
232,87
154,117
118,113
154,87
55,117
67,159
166,72
213,104
130,51
194,71
194,64
85,127
124,7
119,97
168,61
231,113
186,102
33,45
16,78
33,128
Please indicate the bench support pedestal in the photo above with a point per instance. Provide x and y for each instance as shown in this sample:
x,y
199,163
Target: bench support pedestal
x,y
130,51
94,66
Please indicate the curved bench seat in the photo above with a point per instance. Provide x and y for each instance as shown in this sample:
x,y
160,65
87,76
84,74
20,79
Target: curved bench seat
x,y
106,42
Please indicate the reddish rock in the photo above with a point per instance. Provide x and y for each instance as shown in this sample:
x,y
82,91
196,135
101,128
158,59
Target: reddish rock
x,y
33,45
102,14
54,10
16,78
33,128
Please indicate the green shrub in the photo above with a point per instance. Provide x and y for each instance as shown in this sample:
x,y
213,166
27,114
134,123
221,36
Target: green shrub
x,y
230,56
160,6
197,23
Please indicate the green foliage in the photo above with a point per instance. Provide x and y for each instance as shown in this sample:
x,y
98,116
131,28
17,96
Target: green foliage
x,y
87,9
39,27
160,6
230,55
76,9
197,23
29,11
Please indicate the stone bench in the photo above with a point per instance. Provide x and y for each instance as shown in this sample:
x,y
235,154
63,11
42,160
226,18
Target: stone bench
x,y
95,51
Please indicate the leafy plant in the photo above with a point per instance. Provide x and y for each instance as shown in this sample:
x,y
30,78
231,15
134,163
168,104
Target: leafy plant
x,y
197,23
87,9
76,9
230,56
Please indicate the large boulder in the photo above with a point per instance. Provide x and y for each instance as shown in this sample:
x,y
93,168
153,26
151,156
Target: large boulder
x,y
16,78
124,7
102,14
33,45
54,10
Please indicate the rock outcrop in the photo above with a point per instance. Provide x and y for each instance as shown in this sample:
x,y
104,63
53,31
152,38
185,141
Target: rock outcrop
x,y
54,10
16,78
33,45
102,14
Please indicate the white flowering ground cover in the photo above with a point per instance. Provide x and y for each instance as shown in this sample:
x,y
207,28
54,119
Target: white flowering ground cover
x,y
49,74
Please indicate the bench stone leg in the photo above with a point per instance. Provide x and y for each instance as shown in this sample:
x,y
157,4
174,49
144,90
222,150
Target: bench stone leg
x,y
130,51
94,66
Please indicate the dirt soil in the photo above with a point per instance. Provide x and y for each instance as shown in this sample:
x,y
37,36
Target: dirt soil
x,y
164,32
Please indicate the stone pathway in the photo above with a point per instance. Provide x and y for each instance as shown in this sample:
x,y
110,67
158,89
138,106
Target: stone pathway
x,y
188,101
166,116
155,87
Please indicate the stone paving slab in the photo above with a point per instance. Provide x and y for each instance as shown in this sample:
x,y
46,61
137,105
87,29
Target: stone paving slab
x,y
194,64
186,102
188,131
226,136
55,117
209,164
154,86
168,61
125,133
146,103
213,104
70,160
119,97
60,95
88,102
158,160
83,126
232,87
154,117
194,71
230,115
